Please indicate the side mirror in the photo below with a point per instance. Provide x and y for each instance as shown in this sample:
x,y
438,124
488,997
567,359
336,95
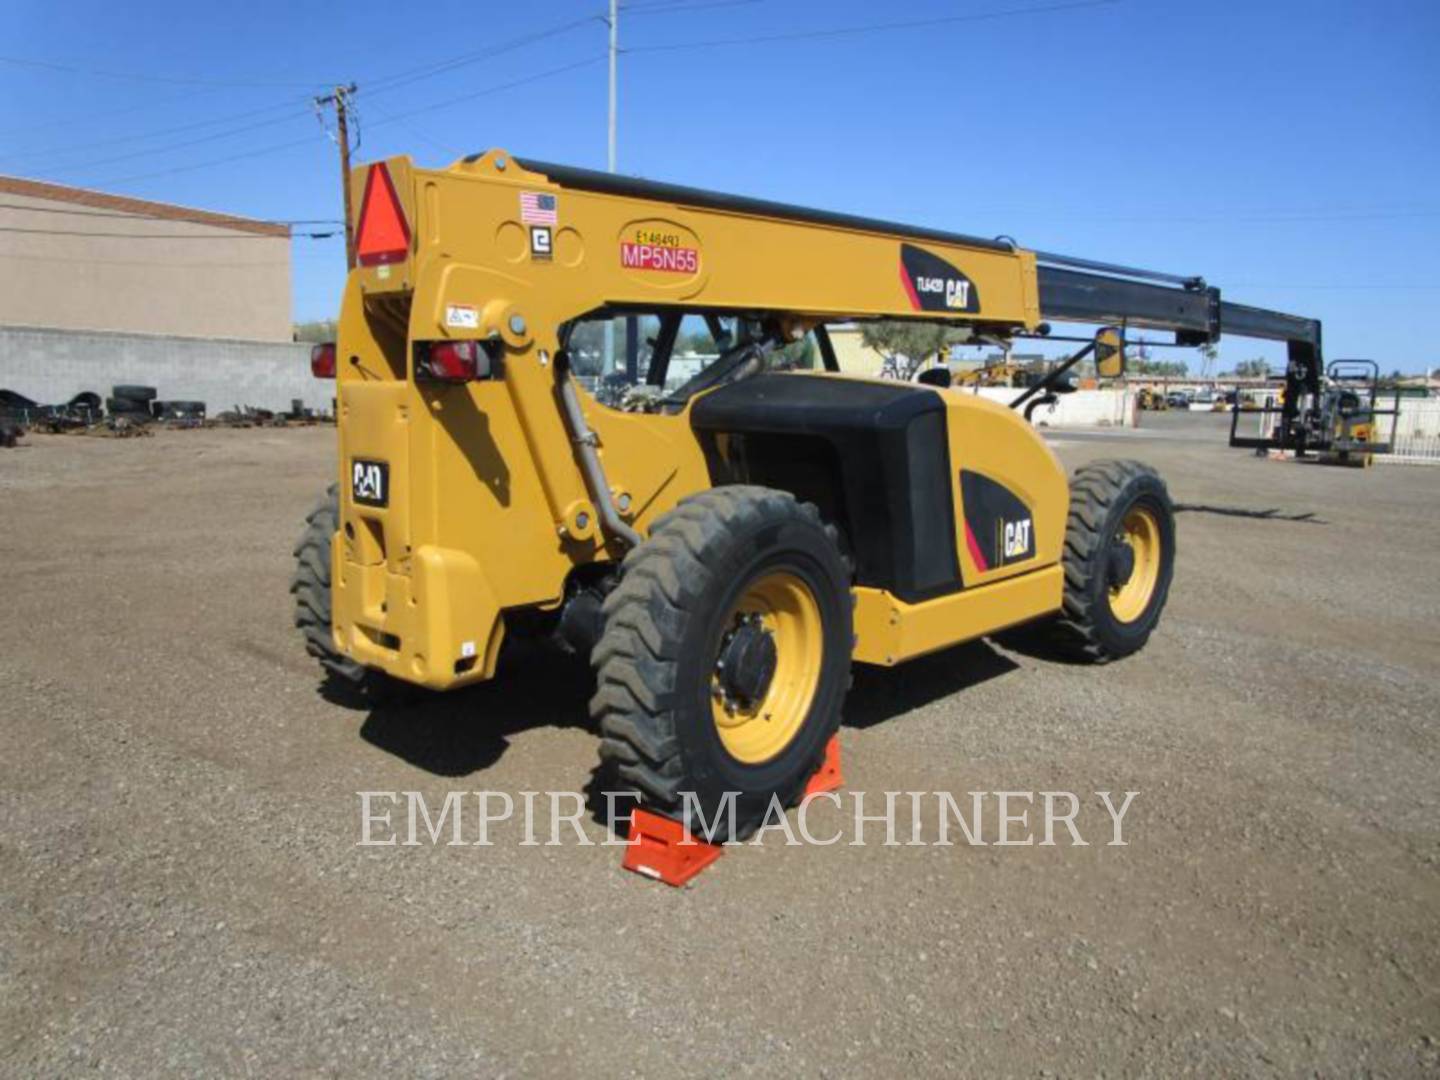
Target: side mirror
x,y
936,376
1110,353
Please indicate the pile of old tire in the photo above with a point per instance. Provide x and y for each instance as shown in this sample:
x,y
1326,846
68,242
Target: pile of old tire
x,y
17,409
86,406
130,403
178,410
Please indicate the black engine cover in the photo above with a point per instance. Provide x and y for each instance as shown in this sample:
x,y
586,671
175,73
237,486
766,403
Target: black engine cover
x,y
873,456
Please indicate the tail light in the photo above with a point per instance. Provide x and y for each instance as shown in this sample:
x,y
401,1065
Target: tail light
x,y
452,361
322,361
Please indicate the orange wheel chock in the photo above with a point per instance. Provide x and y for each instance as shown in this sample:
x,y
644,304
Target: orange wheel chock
x,y
827,777
661,848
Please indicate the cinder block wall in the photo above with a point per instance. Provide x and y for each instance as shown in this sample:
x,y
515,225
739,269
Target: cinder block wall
x,y
51,366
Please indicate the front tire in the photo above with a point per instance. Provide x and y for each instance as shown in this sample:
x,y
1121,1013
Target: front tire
x,y
726,656
1119,559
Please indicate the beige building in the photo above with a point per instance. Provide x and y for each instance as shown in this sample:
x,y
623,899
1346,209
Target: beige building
x,y
851,353
72,259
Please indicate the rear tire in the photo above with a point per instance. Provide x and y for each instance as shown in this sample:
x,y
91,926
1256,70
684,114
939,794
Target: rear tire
x,y
1119,559
311,588
744,576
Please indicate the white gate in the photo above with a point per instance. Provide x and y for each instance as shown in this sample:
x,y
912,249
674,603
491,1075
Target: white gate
x,y
1417,431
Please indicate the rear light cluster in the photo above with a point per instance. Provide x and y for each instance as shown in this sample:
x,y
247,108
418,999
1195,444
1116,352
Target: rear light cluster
x,y
435,361
322,361
452,361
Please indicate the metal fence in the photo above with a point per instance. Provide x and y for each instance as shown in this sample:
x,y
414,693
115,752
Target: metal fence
x,y
1417,432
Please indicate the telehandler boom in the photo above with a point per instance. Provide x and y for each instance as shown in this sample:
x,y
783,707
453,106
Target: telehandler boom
x,y
608,411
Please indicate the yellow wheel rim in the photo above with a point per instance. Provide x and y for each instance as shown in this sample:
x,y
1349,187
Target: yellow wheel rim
x,y
1141,531
780,605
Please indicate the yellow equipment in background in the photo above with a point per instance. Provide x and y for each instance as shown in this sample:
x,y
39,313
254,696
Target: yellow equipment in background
x,y
1153,400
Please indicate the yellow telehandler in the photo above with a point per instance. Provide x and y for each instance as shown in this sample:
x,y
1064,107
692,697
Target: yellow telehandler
x,y
607,411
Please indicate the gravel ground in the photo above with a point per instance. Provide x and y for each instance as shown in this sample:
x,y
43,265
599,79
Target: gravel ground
x,y
181,892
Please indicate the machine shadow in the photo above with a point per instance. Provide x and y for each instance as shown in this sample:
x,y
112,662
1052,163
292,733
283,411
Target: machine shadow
x,y
1037,641
458,734
1273,514
879,694
463,732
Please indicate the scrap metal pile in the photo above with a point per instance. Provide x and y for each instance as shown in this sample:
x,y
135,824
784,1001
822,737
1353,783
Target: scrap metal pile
x,y
133,410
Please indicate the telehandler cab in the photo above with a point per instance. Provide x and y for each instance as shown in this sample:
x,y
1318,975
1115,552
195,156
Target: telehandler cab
x,y
607,410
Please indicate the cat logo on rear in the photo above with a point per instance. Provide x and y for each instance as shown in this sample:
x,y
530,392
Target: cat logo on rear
x,y
369,482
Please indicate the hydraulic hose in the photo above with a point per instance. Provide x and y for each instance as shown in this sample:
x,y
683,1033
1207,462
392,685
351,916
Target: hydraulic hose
x,y
590,466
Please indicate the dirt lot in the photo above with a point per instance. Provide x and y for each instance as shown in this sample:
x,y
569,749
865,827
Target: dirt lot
x,y
181,891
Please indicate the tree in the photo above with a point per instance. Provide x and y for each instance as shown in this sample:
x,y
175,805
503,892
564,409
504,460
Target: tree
x,y
317,332
906,345
1257,368
1171,368
1208,355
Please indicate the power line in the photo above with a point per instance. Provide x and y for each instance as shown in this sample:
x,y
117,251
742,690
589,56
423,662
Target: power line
x,y
689,5
392,82
659,7
419,133
143,106
386,83
277,147
273,148
165,236
873,28
68,148
169,264
495,89
131,215
137,76
228,133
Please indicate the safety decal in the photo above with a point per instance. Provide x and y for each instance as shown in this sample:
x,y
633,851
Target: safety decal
x,y
462,317
933,284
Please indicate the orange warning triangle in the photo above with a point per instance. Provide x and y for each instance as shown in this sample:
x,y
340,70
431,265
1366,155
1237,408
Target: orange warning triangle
x,y
383,235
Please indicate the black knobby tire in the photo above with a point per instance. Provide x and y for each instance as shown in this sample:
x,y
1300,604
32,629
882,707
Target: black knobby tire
x,y
311,588
664,624
129,408
1103,494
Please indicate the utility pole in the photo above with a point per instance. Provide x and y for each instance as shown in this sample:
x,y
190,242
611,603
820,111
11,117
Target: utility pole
x,y
340,98
614,21
614,53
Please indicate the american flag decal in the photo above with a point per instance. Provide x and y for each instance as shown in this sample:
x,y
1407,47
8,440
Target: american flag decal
x,y
537,209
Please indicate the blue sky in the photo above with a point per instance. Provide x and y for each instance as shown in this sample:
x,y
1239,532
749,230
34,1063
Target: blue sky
x,y
1287,150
